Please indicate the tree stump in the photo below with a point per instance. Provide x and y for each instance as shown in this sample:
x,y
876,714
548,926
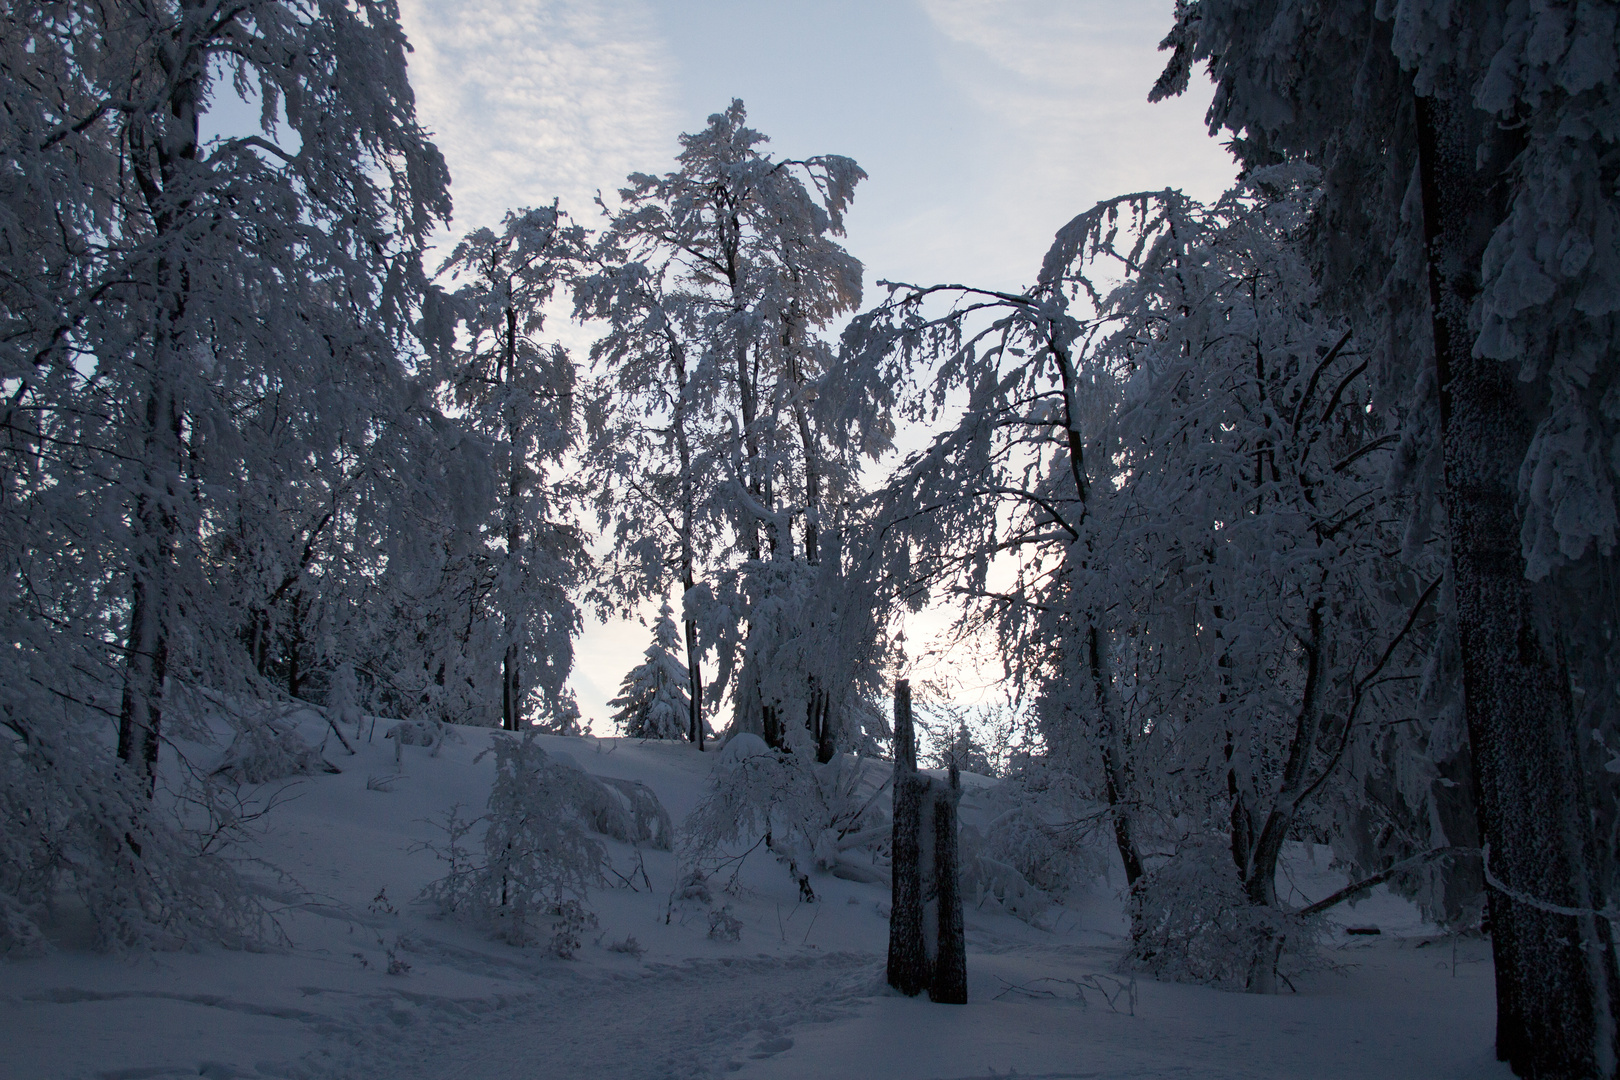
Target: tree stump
x,y
927,950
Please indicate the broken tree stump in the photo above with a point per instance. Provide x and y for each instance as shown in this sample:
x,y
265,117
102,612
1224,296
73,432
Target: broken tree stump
x,y
927,950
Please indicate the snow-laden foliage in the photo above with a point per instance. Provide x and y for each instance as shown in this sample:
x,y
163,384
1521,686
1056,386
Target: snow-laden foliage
x,y
1194,923
653,701
519,396
1022,862
269,748
201,349
80,834
1171,453
810,815
538,860
1468,153
737,435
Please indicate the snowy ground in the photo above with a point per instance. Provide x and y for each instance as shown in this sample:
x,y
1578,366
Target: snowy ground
x,y
801,994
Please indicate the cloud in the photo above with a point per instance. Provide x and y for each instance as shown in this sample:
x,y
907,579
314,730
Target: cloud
x,y
530,100
1064,121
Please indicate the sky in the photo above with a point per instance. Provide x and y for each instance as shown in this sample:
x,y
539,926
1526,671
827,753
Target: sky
x,y
983,126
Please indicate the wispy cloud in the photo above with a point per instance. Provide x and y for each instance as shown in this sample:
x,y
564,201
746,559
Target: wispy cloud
x,y
1062,94
535,99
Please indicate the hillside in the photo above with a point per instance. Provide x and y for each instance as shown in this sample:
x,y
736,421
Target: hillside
x,y
799,994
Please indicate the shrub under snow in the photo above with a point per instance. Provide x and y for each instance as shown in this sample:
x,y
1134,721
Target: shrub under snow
x,y
1194,923
539,859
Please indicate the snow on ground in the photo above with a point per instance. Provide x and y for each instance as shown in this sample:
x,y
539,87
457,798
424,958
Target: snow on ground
x,y
800,994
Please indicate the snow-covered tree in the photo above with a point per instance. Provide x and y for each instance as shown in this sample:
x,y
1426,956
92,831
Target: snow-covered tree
x,y
201,321
653,700
1471,149
1180,475
719,276
519,395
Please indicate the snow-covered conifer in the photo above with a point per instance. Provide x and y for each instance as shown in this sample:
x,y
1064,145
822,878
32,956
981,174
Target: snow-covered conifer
x,y
652,701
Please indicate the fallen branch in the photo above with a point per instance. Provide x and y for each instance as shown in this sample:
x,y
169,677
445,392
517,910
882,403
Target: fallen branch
x,y
1379,878
1111,989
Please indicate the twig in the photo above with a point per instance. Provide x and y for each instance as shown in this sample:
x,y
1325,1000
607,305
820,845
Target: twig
x,y
812,926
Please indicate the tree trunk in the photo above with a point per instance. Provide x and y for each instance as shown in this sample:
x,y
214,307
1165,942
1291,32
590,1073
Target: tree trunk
x,y
694,677
511,688
1555,971
512,658
145,664
949,982
1116,780
683,446
908,955
158,160
826,736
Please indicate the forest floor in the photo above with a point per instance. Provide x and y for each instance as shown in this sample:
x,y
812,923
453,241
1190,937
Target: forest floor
x,y
799,994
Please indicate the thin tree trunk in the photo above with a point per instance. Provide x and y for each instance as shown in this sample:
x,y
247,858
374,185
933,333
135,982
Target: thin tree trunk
x,y
1555,973
694,658
146,661
694,676
512,658
1116,781
1115,770
1259,864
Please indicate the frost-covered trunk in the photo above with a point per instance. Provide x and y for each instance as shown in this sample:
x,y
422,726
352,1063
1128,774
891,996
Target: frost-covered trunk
x,y
819,721
1116,777
1257,861
694,658
1555,969
1106,700
146,654
511,659
159,161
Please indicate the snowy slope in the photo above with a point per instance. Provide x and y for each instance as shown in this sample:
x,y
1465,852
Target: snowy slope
x,y
800,994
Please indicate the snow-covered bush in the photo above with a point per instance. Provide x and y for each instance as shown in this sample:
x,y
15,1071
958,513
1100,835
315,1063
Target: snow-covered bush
x,y
809,814
1196,925
265,749
626,810
75,829
1021,862
723,925
539,860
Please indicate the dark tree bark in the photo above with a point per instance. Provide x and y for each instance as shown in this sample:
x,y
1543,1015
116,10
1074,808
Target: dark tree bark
x,y
820,723
949,983
908,956
771,723
927,950
1555,970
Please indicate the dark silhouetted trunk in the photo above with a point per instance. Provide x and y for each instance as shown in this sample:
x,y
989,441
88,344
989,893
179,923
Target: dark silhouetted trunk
x,y
1555,970
927,948
949,982
908,955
